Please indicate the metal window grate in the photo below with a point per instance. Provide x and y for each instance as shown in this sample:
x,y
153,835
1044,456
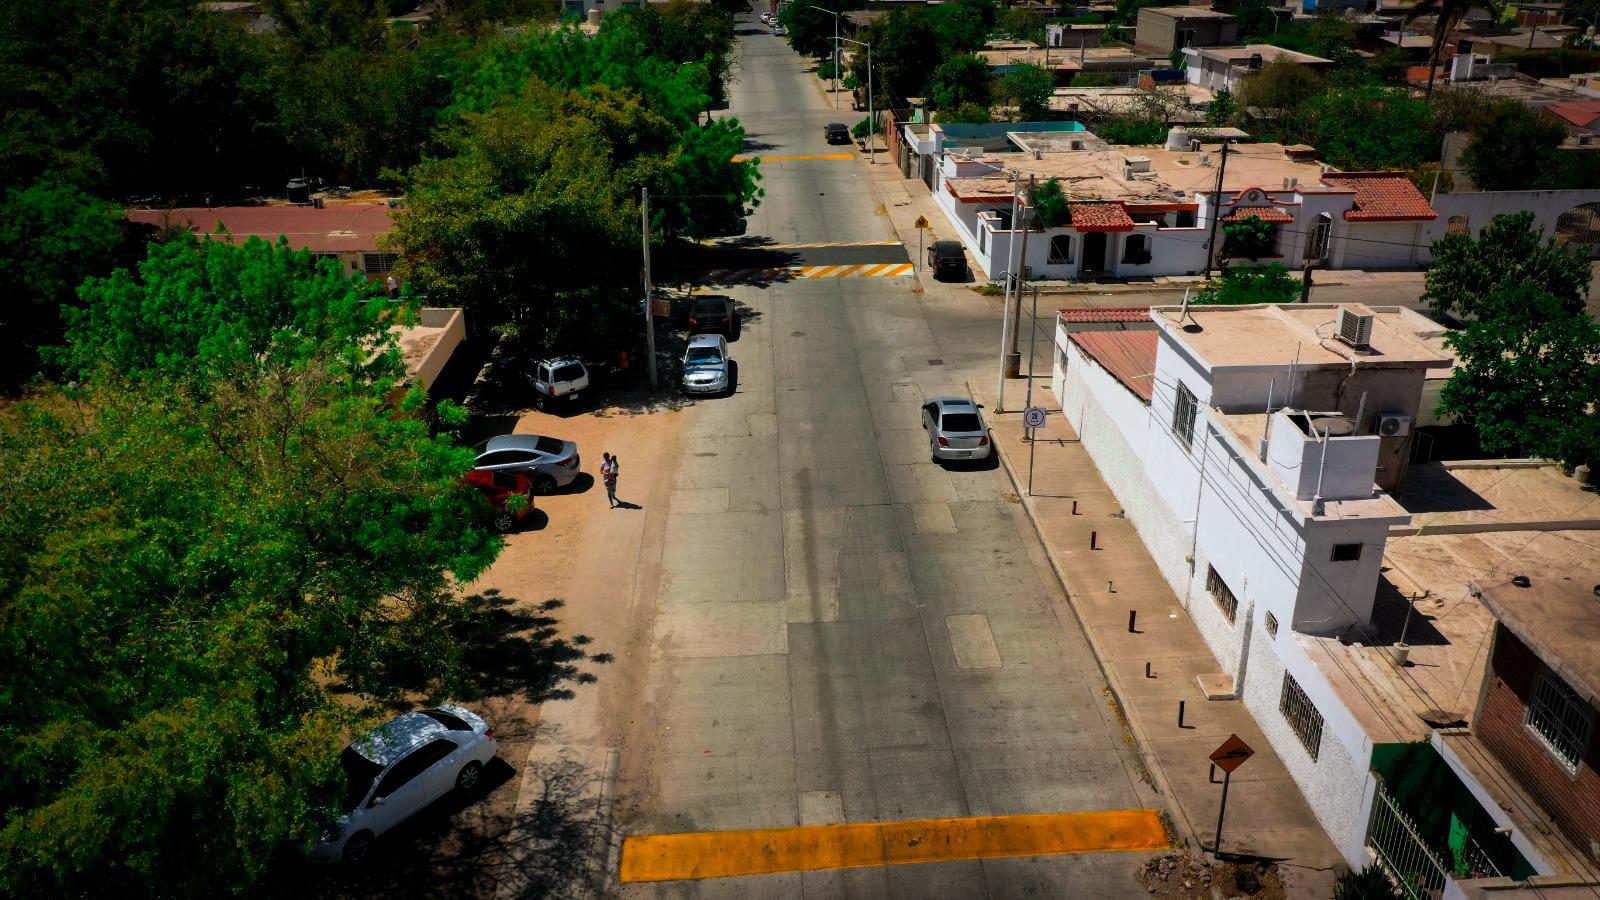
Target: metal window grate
x,y
1272,624
1218,589
1183,413
378,263
1301,715
1561,719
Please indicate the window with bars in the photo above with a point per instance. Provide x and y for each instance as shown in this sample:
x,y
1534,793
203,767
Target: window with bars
x,y
378,263
1561,718
1218,589
1272,624
1184,408
1301,715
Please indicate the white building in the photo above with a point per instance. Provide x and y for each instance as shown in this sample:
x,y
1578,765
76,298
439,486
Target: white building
x,y
1257,450
1215,68
1146,211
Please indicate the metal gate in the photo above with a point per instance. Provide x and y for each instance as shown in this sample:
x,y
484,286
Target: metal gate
x,y
1402,852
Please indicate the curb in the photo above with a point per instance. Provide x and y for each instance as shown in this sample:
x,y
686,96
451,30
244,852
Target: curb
x,y
1161,785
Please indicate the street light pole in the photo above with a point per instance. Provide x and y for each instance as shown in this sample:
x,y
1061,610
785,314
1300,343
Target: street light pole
x,y
1013,356
649,291
872,136
1005,311
835,50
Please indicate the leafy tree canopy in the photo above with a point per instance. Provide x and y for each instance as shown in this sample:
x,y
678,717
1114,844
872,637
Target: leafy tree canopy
x,y
1222,109
1508,253
960,80
1241,285
1028,88
1050,204
1365,125
1508,130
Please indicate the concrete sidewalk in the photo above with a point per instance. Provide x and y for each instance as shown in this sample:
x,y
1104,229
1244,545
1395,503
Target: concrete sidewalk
x,y
1266,815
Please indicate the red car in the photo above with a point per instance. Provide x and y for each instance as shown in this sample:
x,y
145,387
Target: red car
x,y
498,488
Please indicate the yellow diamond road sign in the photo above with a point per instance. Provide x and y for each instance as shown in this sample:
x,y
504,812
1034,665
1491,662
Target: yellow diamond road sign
x,y
922,222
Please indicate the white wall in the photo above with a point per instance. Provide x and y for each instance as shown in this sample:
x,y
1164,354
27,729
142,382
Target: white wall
x,y
1481,207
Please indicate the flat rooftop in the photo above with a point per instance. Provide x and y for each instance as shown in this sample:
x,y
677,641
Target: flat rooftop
x,y
1186,12
1175,176
337,227
1272,335
1447,569
1267,52
1059,59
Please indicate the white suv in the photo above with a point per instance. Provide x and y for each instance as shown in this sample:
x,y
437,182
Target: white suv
x,y
400,768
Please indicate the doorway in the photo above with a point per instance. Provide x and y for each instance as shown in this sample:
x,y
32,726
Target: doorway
x,y
1094,253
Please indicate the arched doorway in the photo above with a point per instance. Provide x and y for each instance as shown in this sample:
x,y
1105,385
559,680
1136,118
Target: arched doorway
x,y
1580,225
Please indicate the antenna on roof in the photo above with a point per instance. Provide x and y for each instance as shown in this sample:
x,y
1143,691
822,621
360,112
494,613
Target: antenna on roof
x,y
1183,312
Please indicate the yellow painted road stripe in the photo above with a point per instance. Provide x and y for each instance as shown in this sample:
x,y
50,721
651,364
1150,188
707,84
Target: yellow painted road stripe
x,y
817,271
872,271
789,158
901,269
847,271
723,854
830,244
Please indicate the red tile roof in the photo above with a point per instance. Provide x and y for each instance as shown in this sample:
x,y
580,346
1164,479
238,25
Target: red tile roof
x,y
1130,357
1109,314
1382,197
1264,213
1099,217
343,227
1580,113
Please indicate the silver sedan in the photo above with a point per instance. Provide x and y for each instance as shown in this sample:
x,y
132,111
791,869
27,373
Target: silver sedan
x,y
955,429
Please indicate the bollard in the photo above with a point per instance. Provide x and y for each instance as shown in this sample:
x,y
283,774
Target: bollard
x,y
1094,540
1133,616
1213,776
1074,507
1111,587
1180,714
1147,673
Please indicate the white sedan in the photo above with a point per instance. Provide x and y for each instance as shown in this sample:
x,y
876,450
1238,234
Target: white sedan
x,y
766,18
400,768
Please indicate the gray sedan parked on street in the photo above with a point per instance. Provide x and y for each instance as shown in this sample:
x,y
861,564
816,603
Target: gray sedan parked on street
x,y
955,429
548,462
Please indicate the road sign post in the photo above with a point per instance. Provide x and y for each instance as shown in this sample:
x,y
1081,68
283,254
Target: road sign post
x,y
1231,755
921,226
1033,417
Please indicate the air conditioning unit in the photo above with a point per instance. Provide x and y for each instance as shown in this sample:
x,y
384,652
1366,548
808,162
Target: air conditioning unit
x,y
1205,159
1355,325
1392,425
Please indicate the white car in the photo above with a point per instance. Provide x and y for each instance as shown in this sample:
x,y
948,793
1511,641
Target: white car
x,y
766,18
400,768
706,365
955,429
779,30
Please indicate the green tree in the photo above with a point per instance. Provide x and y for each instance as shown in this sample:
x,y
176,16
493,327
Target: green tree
x,y
811,31
1279,86
52,236
1241,285
1028,88
966,114
1222,109
1050,204
1255,18
1528,375
1371,883
1508,130
1508,253
960,80
1249,237
713,194
1366,126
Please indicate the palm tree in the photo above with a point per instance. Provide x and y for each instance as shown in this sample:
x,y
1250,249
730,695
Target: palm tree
x,y
1449,14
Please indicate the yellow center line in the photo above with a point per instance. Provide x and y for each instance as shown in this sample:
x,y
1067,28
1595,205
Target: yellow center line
x,y
762,851
792,158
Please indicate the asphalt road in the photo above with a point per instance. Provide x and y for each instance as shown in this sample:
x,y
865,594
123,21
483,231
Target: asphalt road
x,y
843,630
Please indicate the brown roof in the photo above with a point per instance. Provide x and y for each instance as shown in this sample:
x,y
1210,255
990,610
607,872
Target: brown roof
x,y
344,227
1264,213
1109,314
1099,217
1581,113
1130,357
1382,197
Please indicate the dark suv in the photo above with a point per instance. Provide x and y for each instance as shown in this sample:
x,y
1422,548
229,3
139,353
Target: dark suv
x,y
712,314
948,261
837,132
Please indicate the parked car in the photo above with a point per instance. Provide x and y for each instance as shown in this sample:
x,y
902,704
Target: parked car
x,y
706,367
947,260
766,18
562,378
400,768
955,429
837,132
498,488
712,314
547,462
779,30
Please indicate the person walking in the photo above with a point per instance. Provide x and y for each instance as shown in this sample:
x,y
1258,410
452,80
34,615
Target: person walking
x,y
608,474
392,284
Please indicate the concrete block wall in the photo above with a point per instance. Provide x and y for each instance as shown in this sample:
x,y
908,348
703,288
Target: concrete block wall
x,y
1572,800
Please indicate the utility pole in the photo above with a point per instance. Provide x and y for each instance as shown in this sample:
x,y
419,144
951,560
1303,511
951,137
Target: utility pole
x,y
835,61
1005,317
1013,356
1216,212
872,122
649,291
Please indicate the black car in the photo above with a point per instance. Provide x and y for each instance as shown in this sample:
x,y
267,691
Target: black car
x,y
712,314
837,132
948,261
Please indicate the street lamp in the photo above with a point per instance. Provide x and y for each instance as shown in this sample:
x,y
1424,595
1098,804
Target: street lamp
x,y
835,50
872,122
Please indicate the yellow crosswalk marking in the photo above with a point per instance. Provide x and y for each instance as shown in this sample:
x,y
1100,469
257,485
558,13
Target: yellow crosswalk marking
x,y
723,854
767,159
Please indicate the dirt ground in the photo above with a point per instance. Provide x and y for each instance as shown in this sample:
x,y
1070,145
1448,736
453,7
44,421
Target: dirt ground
x,y
1179,876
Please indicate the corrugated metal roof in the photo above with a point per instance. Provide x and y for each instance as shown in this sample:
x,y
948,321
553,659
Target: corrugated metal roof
x,y
343,227
1130,357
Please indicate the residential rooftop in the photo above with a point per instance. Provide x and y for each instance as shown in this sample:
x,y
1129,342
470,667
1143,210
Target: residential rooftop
x,y
1276,335
1268,53
1186,12
337,227
1059,59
